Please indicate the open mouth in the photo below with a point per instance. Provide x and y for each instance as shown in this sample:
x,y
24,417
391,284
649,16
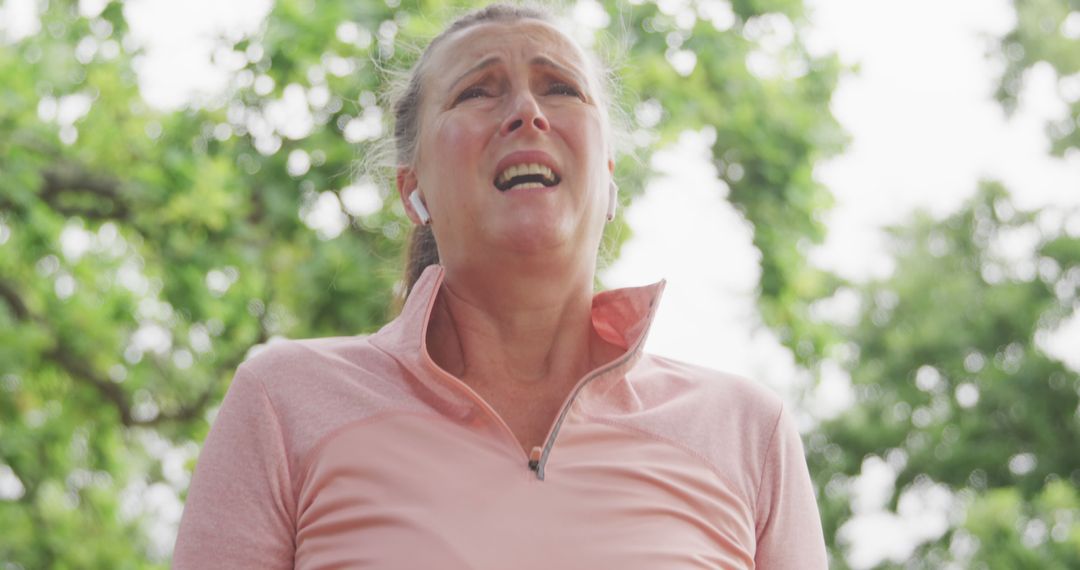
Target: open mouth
x,y
524,176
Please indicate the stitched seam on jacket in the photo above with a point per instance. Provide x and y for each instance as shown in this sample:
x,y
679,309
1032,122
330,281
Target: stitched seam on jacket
x,y
285,451
667,441
764,463
305,463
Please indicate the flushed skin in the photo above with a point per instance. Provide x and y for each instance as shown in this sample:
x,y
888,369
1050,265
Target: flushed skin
x,y
500,89
520,265
360,452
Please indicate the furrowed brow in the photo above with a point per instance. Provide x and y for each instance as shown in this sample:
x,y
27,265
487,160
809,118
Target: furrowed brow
x,y
483,64
543,61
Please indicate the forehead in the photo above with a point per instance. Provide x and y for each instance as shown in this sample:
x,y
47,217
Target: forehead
x,y
521,39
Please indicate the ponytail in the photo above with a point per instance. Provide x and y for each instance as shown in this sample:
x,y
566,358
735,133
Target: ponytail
x,y
422,252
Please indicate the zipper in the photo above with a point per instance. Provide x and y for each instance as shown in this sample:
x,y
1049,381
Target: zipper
x,y
538,464
534,462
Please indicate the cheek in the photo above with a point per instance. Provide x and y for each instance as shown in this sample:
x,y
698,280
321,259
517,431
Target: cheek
x,y
582,124
584,134
450,144
459,135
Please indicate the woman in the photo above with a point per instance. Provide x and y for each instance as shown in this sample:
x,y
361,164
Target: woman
x,y
508,418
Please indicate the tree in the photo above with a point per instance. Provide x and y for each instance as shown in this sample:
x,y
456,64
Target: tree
x,y
1047,32
953,389
143,252
953,386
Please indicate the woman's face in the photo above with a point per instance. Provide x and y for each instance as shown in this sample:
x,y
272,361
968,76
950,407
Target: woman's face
x,y
512,154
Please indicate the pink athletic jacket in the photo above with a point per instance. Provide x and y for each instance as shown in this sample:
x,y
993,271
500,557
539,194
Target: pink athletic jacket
x,y
360,452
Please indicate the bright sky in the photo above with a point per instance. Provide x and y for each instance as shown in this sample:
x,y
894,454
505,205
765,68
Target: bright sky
x,y
924,129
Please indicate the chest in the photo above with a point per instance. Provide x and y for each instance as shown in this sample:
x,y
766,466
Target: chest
x,y
528,416
408,492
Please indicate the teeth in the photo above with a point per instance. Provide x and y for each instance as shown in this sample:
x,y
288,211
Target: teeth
x,y
523,169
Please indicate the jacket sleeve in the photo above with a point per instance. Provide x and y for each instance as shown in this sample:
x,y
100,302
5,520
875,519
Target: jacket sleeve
x,y
240,509
789,532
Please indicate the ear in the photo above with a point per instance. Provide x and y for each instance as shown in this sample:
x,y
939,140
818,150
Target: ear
x,y
406,184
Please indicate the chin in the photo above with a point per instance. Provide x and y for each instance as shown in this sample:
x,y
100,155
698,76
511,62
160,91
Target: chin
x,y
537,235
533,235
532,242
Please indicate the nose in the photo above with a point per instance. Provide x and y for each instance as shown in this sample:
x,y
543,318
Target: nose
x,y
524,110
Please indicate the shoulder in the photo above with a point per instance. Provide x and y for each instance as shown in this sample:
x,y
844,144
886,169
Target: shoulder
x,y
659,379
315,386
283,355
726,419
283,363
313,376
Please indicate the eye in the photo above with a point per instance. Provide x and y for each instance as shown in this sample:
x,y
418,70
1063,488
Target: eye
x,y
562,88
471,93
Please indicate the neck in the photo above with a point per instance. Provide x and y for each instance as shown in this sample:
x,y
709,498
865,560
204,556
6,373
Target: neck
x,y
516,324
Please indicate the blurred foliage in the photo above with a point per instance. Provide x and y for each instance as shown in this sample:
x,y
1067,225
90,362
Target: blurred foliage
x,y
953,388
1047,32
144,251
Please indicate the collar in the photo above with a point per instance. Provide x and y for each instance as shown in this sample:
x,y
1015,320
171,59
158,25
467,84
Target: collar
x,y
621,317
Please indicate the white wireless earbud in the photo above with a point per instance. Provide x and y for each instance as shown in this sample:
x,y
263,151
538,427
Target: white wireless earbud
x,y
418,206
613,201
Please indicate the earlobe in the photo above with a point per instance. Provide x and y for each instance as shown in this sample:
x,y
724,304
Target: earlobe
x,y
407,188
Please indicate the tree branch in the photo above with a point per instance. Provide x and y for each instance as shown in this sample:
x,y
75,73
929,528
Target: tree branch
x,y
197,407
64,181
18,308
80,371
187,412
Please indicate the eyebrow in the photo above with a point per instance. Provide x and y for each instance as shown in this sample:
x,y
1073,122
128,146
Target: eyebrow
x,y
545,62
539,60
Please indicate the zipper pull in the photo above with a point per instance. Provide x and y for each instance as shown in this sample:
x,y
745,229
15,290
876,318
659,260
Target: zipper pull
x,y
534,458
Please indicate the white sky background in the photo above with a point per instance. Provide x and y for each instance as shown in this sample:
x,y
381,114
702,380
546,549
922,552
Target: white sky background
x,y
924,128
